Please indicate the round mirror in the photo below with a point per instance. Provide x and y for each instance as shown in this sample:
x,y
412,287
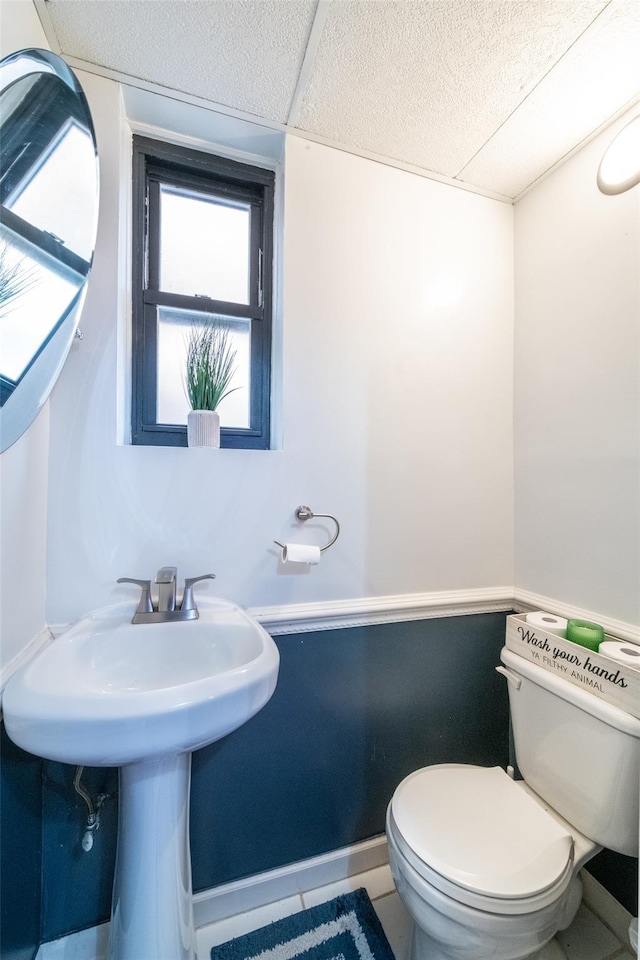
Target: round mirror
x,y
48,220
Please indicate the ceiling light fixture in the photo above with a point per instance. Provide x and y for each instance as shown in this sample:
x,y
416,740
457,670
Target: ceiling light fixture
x,y
619,168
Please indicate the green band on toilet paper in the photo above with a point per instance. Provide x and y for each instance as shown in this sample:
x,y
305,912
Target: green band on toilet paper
x,y
586,634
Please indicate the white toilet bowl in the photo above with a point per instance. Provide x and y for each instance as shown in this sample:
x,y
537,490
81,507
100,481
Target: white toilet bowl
x,y
485,872
488,867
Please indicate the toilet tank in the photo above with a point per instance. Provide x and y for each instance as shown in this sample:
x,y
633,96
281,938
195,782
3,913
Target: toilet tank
x,y
577,752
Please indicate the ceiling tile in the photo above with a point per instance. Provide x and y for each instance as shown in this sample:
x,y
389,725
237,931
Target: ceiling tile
x,y
244,54
491,92
598,76
428,83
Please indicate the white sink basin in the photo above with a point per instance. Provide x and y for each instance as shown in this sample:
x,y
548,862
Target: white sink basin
x,y
108,692
142,697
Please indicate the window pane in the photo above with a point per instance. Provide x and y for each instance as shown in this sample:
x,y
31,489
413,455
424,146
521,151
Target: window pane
x,y
173,328
66,170
204,245
35,298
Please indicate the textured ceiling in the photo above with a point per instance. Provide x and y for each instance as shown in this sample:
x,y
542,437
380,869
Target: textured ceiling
x,y
489,92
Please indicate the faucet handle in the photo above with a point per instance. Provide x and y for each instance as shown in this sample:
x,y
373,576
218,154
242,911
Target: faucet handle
x,y
145,605
187,597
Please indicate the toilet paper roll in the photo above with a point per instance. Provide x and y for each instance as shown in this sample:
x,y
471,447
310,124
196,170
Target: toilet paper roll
x,y
622,652
547,621
300,553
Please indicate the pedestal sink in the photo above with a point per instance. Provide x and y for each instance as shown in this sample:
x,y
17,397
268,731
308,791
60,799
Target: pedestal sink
x,y
142,697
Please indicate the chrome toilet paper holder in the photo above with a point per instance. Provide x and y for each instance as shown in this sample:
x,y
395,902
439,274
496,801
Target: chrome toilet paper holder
x,y
306,513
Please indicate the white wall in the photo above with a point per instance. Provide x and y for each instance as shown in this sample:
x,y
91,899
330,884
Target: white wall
x,y
20,27
23,468
397,367
397,382
577,403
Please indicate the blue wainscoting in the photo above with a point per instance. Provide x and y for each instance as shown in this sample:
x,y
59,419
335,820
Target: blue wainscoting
x,y
355,710
21,849
619,875
76,886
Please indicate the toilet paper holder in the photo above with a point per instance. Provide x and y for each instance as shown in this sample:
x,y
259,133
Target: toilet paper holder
x,y
306,513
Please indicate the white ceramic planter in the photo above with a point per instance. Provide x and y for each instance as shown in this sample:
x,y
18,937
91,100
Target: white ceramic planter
x,y
203,428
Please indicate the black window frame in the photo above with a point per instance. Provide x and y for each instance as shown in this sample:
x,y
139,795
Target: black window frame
x,y
156,162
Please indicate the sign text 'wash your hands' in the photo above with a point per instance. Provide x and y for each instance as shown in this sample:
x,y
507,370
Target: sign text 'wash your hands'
x,y
555,658
617,683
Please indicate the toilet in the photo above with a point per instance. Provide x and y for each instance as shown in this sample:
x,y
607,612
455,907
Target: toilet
x,y
487,866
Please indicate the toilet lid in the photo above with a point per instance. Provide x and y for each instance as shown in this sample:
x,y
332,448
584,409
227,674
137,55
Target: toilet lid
x,y
477,828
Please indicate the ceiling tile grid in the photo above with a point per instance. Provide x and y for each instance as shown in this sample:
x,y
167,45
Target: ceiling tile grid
x,y
429,83
244,54
599,75
487,93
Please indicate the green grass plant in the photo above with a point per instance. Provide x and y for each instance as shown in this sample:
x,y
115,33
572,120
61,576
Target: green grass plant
x,y
210,364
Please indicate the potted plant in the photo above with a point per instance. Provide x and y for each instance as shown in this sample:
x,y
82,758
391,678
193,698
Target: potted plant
x,y
210,369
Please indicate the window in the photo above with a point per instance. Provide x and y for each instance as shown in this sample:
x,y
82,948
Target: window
x,y
202,249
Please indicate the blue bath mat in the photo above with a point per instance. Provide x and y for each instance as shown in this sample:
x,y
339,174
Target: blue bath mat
x,y
346,928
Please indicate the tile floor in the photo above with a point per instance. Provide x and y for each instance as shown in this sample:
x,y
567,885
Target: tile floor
x,y
586,939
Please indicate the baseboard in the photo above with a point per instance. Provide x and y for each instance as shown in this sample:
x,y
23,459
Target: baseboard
x,y
90,944
606,908
296,878
240,896
218,903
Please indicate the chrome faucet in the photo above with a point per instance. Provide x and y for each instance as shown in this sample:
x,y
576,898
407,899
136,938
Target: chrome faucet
x,y
166,611
166,583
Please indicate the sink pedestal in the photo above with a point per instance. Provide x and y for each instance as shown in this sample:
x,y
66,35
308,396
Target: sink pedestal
x,y
152,912
142,697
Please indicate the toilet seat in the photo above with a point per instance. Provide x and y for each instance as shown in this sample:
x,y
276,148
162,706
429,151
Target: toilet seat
x,y
475,835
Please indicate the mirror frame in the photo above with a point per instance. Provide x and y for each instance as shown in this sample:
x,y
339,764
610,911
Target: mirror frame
x,y
32,391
